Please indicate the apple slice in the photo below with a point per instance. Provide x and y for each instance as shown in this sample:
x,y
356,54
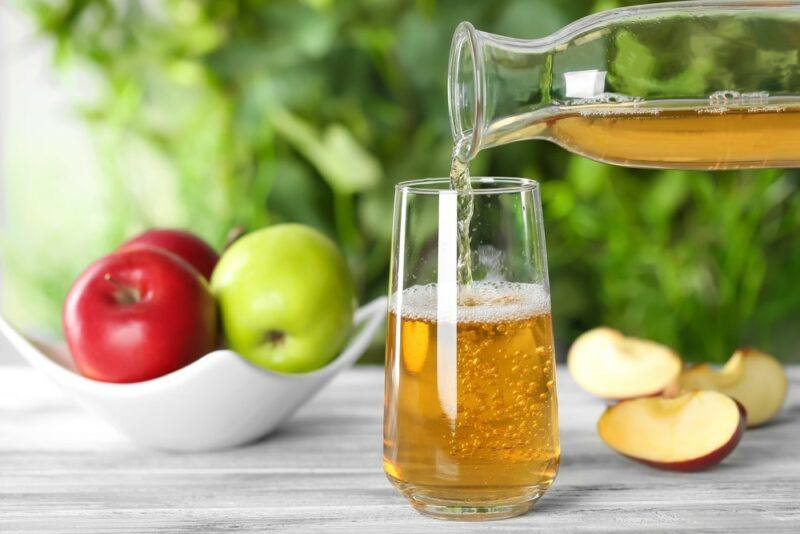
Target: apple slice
x,y
687,433
607,364
755,379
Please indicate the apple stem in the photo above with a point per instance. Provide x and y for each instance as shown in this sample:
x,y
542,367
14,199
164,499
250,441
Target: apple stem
x,y
233,236
125,294
275,337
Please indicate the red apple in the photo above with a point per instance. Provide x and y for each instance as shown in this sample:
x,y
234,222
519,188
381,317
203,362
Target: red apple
x,y
138,314
185,245
687,433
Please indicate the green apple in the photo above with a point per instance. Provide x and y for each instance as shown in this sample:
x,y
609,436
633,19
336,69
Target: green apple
x,y
286,298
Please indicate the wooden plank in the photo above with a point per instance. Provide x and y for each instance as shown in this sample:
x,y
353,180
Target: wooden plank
x,y
63,470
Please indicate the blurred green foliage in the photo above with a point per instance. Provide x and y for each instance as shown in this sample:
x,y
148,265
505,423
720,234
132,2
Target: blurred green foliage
x,y
257,112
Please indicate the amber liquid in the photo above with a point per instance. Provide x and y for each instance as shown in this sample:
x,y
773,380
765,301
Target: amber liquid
x,y
486,434
701,138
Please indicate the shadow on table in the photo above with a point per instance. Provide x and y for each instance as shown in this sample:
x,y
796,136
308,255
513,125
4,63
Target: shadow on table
x,y
304,426
564,500
789,414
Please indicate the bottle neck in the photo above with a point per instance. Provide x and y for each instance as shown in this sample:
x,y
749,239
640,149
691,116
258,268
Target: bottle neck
x,y
492,82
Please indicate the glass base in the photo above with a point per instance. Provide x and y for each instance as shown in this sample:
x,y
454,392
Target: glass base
x,y
470,504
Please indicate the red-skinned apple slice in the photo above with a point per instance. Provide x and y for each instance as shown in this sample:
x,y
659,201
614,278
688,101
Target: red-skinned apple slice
x,y
607,364
755,379
687,433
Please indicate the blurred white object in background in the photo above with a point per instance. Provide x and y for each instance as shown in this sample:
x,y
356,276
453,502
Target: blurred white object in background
x,y
585,83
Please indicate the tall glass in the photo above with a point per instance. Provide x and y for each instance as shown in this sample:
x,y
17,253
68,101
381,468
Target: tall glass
x,y
471,420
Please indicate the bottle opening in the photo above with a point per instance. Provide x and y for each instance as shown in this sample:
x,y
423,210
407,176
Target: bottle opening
x,y
464,82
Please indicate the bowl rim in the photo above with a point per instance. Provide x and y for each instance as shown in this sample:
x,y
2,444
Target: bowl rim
x,y
361,317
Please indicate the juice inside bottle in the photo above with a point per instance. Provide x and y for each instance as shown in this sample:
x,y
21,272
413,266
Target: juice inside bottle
x,y
668,137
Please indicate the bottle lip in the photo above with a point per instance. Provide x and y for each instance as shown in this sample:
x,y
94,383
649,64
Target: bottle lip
x,y
466,41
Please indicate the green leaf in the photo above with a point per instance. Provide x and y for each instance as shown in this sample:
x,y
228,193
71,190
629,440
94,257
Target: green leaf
x,y
338,157
530,19
668,192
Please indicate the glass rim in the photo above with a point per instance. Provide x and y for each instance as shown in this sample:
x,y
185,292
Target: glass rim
x,y
504,184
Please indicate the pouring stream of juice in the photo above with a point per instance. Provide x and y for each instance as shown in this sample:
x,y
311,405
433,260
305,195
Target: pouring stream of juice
x,y
460,182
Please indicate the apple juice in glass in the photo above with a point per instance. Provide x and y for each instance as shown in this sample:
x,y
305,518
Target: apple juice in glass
x,y
470,423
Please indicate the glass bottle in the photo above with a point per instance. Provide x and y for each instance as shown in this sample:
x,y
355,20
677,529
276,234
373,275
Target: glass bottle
x,y
704,85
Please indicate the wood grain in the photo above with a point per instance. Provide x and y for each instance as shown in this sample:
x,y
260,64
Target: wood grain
x,y
62,470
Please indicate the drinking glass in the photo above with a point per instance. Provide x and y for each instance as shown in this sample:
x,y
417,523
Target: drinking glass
x,y
470,420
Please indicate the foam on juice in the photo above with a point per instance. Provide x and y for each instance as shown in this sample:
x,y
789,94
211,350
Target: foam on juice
x,y
482,301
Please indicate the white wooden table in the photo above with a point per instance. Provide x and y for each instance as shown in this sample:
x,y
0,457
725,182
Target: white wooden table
x,y
63,470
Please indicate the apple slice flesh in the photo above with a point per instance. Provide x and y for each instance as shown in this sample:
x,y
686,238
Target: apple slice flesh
x,y
609,365
687,433
755,379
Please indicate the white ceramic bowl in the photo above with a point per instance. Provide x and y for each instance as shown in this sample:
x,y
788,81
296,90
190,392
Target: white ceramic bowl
x,y
219,401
